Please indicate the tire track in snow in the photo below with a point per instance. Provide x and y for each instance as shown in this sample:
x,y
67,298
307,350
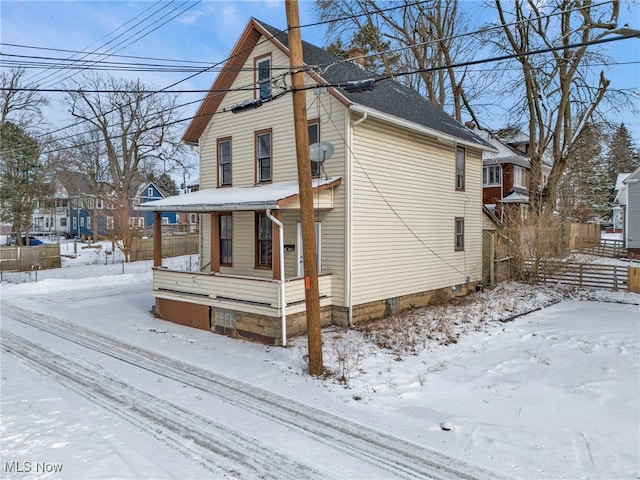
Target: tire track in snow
x,y
239,456
401,458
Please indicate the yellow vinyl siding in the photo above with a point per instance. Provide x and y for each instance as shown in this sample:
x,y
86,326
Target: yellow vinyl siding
x,y
276,115
415,177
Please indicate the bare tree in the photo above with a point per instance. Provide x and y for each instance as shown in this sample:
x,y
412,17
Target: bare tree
x,y
559,92
20,101
137,130
426,38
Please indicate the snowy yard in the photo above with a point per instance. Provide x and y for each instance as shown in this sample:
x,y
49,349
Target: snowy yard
x,y
551,394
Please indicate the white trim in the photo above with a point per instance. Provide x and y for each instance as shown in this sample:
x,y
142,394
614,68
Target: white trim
x,y
436,134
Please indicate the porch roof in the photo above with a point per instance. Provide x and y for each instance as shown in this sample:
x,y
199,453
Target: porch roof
x,y
516,197
228,199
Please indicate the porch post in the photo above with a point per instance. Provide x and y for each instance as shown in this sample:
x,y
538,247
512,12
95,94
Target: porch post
x,y
215,242
275,248
157,239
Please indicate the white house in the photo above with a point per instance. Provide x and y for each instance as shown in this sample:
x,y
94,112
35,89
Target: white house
x,y
398,206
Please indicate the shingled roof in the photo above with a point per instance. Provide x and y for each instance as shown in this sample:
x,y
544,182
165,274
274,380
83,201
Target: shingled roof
x,y
388,96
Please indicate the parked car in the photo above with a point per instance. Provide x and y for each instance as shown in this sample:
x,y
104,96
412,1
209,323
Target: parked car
x,y
32,241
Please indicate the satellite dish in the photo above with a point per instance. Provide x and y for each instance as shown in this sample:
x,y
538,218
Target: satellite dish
x,y
321,151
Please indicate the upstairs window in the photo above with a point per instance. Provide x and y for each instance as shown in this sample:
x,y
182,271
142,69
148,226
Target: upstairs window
x,y
263,81
519,177
460,160
150,191
314,137
491,175
263,156
224,162
226,239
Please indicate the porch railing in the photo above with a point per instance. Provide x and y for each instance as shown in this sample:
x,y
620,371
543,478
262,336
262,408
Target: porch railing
x,y
246,294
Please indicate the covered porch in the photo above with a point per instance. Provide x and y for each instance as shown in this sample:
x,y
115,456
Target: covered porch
x,y
262,300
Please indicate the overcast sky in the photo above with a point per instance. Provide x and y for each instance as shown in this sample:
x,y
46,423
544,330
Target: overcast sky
x,y
202,31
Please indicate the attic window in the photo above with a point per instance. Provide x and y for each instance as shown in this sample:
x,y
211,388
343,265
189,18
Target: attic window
x,y
263,80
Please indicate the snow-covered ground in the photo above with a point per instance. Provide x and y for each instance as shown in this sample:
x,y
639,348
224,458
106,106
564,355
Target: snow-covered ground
x,y
94,386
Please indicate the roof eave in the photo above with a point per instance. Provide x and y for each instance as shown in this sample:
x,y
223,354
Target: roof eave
x,y
436,134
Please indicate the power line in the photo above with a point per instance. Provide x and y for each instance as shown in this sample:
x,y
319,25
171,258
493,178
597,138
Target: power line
x,y
166,89
346,84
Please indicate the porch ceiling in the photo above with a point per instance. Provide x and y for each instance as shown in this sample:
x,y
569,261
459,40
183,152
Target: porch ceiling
x,y
228,199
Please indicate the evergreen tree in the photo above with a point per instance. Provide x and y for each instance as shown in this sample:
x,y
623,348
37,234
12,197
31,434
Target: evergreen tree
x,y
166,183
22,178
621,157
585,186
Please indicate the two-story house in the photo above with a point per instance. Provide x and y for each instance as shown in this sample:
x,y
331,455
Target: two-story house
x,y
398,205
506,173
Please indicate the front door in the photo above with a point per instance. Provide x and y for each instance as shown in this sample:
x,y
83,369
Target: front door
x,y
300,263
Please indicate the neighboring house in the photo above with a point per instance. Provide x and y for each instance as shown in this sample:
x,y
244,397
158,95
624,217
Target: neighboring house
x,y
140,218
398,206
619,203
73,209
631,231
53,214
506,172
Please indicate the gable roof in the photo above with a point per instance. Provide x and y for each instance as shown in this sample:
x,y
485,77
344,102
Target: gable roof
x,y
387,96
502,153
74,183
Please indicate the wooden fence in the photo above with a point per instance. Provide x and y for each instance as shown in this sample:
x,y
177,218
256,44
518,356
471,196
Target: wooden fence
x,y
609,277
172,246
24,259
607,248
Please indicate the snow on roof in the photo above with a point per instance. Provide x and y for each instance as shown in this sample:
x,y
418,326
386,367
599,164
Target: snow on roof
x,y
620,179
258,197
515,197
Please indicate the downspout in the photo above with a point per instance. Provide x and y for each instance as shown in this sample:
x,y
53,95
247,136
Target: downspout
x,y
350,218
283,304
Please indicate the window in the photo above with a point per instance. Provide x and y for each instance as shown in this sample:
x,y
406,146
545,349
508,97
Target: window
x,y
491,175
226,239
150,191
314,137
99,203
165,221
109,223
193,218
63,222
460,153
519,177
141,222
459,234
224,162
82,221
263,67
263,243
88,223
132,221
263,156
75,223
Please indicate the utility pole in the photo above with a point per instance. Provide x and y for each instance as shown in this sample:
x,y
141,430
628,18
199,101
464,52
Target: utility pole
x,y
312,296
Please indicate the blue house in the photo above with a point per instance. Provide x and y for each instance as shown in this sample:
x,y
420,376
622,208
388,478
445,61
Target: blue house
x,y
86,209
148,192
